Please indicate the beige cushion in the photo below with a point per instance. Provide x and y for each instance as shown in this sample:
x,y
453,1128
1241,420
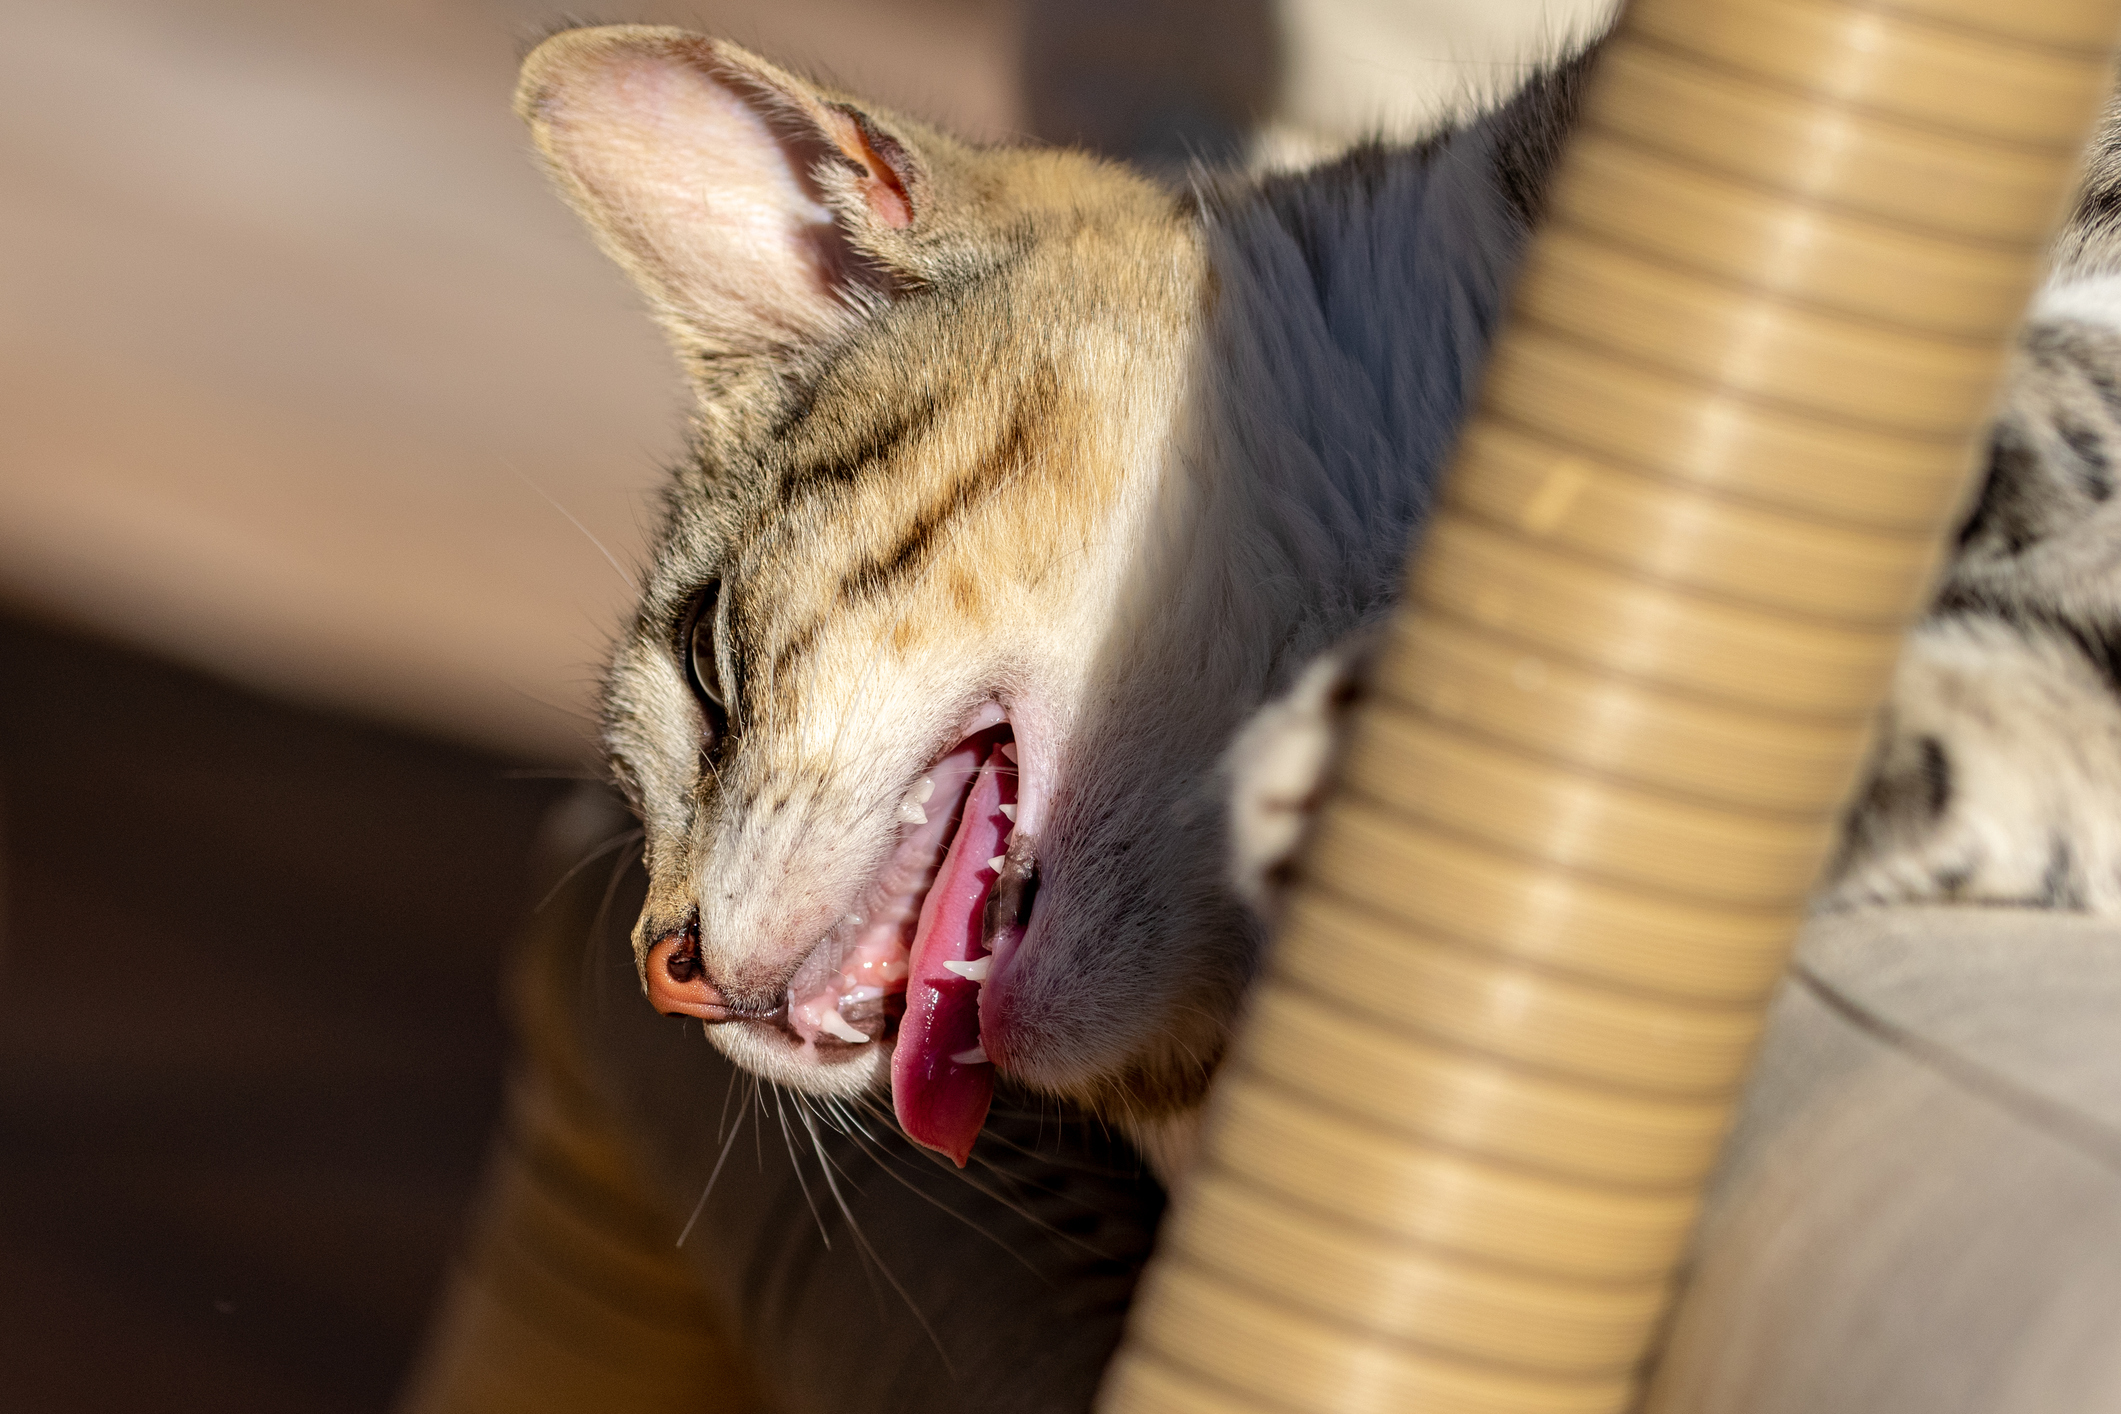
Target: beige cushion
x,y
1921,1208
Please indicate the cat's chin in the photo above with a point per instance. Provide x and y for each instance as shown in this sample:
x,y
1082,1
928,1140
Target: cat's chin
x,y
829,1070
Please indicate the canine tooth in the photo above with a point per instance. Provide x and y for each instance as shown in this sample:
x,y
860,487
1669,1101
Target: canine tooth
x,y
976,1056
1009,750
996,863
1008,813
833,1024
973,971
909,809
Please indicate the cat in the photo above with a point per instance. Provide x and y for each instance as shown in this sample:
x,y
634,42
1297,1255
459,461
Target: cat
x,y
997,636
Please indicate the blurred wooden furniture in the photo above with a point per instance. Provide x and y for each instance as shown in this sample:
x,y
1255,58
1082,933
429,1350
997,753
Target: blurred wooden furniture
x,y
304,375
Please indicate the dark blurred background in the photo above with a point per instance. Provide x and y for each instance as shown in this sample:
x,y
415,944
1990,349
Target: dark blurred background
x,y
327,447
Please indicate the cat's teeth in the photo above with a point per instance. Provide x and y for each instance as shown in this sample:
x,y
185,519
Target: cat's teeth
x,y
909,809
833,1024
976,1056
1009,750
1008,813
996,863
973,971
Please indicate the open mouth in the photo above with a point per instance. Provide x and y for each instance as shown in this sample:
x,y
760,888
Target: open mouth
x,y
913,958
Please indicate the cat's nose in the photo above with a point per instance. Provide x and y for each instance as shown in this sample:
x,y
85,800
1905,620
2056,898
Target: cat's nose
x,y
677,979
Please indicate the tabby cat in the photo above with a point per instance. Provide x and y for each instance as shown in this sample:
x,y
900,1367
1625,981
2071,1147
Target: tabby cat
x,y
1036,517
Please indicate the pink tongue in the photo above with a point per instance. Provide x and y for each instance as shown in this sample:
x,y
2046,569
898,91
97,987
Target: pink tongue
x,y
942,1102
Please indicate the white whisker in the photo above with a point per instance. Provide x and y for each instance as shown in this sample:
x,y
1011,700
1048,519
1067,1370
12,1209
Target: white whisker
x,y
861,1239
794,1162
722,1158
632,583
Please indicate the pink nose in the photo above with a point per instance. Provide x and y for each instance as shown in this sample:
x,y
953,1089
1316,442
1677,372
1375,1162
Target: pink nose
x,y
677,979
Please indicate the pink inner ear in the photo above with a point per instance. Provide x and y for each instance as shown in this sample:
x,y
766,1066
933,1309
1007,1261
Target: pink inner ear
x,y
888,202
884,187
690,179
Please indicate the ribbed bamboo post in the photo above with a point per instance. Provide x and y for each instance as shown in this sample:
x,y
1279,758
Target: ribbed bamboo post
x,y
1456,1156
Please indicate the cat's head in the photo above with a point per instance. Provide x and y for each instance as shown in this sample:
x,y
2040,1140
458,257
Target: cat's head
x,y
901,586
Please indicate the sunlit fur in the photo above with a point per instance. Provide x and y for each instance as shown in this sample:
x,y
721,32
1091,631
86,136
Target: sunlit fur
x,y
1140,465
1120,457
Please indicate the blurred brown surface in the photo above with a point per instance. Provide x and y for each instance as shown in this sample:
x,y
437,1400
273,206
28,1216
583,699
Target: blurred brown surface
x,y
304,374
249,1038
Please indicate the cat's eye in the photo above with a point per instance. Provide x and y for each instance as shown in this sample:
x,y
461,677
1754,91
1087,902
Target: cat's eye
x,y
701,668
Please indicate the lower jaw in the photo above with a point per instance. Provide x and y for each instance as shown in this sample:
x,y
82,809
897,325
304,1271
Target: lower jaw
x,y
934,955
942,1080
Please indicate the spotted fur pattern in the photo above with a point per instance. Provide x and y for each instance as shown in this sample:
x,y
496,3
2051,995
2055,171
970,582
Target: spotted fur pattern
x,y
1997,778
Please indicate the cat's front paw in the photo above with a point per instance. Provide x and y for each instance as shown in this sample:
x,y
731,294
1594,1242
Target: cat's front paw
x,y
1994,780
1999,756
1277,767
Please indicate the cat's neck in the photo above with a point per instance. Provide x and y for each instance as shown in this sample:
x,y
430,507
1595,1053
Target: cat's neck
x,y
1354,308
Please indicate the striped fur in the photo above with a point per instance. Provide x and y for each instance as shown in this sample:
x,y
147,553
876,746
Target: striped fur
x,y
1123,458
1018,426
1997,778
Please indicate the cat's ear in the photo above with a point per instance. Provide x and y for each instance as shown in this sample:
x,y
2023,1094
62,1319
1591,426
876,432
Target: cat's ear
x,y
758,213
